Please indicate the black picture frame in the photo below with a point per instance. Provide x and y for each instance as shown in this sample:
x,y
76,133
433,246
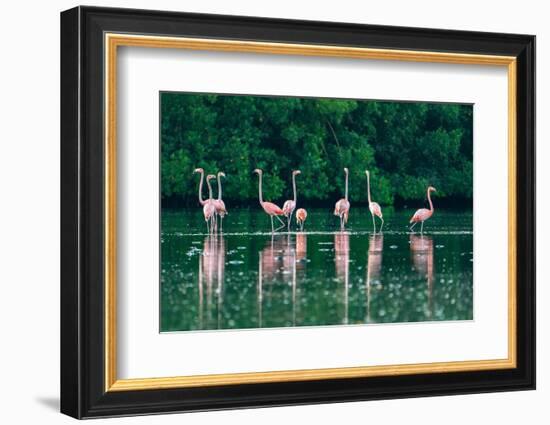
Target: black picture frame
x,y
83,392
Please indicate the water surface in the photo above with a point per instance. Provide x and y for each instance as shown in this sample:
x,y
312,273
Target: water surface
x,y
248,278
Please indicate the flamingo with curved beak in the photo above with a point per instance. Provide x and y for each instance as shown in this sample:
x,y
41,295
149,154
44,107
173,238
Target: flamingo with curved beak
x,y
269,207
341,209
218,203
290,205
423,214
209,210
374,208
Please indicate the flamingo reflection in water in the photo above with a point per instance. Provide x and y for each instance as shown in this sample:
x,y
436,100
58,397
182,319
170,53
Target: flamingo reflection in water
x,y
301,250
374,266
422,255
211,276
341,260
276,261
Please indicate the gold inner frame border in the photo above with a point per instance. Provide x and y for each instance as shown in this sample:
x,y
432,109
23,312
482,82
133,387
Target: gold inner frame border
x,y
111,43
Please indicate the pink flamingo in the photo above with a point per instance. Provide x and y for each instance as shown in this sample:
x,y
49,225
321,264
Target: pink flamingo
x,y
218,203
374,208
201,172
269,207
341,209
301,215
423,214
209,210
290,205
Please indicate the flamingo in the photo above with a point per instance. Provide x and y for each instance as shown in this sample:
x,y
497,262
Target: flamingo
x,y
374,208
218,203
201,172
209,210
269,207
301,215
341,209
423,214
290,205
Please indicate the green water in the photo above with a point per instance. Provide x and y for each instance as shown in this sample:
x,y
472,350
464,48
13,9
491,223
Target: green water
x,y
248,278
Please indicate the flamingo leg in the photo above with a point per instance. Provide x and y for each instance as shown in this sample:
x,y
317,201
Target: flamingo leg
x,y
289,218
382,224
410,228
207,226
280,221
373,223
421,227
272,228
221,224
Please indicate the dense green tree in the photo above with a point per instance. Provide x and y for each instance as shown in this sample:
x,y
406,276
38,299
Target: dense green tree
x,y
406,146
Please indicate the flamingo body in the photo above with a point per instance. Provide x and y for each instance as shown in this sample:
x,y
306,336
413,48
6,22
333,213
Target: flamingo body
x,y
341,209
301,215
375,209
289,207
219,205
423,214
208,210
271,209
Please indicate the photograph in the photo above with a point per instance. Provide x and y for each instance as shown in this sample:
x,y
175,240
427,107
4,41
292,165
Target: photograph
x,y
281,212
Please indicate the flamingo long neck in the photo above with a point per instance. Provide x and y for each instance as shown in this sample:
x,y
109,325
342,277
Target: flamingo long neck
x,y
294,187
260,189
430,201
209,189
219,188
346,197
368,187
200,189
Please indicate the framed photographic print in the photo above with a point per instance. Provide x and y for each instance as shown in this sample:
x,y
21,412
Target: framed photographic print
x,y
261,212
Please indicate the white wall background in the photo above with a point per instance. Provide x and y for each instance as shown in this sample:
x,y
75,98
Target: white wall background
x,y
29,213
